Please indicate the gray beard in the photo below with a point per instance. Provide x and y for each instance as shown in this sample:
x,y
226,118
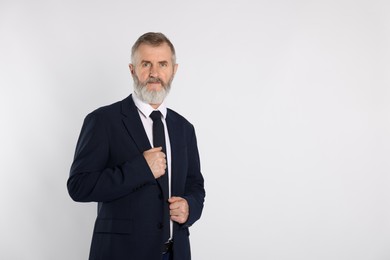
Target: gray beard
x,y
151,97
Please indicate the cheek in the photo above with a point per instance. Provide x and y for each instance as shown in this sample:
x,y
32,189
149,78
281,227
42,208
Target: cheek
x,y
167,76
143,76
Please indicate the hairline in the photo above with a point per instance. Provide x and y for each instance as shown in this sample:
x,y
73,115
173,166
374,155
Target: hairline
x,y
135,49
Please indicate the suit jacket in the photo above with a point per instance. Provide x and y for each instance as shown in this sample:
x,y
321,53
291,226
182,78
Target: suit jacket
x,y
109,168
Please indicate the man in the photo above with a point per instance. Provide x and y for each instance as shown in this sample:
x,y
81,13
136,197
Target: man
x,y
148,194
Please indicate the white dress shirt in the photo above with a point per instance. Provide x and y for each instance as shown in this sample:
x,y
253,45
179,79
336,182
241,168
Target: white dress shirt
x,y
144,111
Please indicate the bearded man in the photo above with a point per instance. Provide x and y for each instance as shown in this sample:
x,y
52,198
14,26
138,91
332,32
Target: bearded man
x,y
139,160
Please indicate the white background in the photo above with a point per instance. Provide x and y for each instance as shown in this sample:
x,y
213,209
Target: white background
x,y
302,89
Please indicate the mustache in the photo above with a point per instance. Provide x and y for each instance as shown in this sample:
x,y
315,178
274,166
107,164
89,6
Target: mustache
x,y
154,80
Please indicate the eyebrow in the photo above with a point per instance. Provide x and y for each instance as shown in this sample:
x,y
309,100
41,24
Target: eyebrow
x,y
147,61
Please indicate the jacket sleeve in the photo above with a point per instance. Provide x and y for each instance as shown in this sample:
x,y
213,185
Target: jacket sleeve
x,y
194,191
90,179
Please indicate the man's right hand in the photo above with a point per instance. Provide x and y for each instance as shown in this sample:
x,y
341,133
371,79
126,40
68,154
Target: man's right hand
x,y
156,161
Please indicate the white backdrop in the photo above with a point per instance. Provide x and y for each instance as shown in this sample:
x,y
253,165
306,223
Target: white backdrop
x,y
301,87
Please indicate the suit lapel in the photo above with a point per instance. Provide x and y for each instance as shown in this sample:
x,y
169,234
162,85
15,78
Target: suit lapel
x,y
133,124
136,130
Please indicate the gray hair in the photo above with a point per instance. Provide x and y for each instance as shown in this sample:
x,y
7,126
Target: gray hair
x,y
154,39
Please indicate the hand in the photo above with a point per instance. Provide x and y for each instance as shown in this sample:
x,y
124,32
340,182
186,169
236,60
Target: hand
x,y
179,209
156,161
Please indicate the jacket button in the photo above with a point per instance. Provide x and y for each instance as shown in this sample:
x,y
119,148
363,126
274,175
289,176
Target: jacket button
x,y
160,196
160,225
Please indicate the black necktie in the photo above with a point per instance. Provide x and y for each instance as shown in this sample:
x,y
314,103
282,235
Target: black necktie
x,y
159,141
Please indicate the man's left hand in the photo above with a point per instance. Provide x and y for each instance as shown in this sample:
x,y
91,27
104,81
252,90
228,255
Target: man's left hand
x,y
179,209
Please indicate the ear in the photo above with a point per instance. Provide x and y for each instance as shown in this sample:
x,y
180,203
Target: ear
x,y
131,67
175,68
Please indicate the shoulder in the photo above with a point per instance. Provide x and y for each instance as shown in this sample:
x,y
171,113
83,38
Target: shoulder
x,y
177,118
102,116
113,110
107,110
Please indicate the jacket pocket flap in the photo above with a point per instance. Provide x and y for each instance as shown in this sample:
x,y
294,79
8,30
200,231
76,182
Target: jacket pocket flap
x,y
120,226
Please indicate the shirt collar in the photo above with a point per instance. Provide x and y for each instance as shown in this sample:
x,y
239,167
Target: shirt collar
x,y
147,109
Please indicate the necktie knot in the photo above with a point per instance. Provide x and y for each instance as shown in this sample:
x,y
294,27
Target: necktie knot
x,y
155,115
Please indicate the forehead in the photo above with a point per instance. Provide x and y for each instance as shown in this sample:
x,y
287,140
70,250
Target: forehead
x,y
153,53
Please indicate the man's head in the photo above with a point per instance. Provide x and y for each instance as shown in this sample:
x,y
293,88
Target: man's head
x,y
153,66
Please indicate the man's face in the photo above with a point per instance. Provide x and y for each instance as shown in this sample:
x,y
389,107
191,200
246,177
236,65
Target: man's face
x,y
153,72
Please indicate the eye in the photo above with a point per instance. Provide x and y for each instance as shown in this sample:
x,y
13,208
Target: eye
x,y
145,64
164,64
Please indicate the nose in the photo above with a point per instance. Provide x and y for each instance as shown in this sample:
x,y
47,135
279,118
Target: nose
x,y
153,72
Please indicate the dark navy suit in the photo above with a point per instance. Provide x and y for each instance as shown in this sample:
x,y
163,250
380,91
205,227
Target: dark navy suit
x,y
109,168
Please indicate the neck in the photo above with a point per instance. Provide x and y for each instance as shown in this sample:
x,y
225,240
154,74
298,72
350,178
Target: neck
x,y
155,106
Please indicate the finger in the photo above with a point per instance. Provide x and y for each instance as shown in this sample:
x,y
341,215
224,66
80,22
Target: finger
x,y
179,206
162,162
177,212
174,206
161,154
176,219
179,219
174,199
153,150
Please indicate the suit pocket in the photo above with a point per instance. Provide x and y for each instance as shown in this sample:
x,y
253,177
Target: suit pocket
x,y
118,226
